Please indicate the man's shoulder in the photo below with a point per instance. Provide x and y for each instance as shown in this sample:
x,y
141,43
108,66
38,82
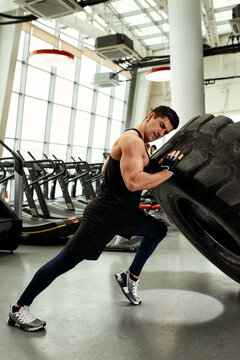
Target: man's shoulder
x,y
131,140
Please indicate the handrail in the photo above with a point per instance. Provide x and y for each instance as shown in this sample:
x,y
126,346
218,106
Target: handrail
x,y
18,174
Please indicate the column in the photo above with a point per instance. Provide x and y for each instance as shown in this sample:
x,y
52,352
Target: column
x,y
186,58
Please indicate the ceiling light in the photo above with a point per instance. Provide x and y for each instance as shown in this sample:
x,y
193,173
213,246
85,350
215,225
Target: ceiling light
x,y
51,57
159,74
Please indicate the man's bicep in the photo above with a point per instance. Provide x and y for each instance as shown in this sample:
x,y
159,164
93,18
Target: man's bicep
x,y
131,160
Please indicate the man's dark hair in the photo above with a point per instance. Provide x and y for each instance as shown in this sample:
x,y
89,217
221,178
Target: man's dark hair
x,y
162,111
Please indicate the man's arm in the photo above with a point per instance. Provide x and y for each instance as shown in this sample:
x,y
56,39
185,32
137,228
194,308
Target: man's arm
x,y
131,165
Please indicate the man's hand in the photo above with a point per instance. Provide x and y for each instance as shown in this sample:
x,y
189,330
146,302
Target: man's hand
x,y
169,161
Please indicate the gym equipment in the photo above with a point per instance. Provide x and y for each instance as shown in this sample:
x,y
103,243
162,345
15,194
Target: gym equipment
x,y
10,222
28,227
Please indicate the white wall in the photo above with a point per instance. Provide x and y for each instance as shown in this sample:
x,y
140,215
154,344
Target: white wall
x,y
223,97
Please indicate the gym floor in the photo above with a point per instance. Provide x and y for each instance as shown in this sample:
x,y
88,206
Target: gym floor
x,y
190,309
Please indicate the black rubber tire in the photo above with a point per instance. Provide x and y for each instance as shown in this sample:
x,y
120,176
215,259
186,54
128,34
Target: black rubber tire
x,y
203,197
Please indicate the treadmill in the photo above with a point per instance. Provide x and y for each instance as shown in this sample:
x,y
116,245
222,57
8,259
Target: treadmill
x,y
31,226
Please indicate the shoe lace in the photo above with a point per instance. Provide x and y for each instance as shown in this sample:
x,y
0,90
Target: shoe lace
x,y
134,285
24,315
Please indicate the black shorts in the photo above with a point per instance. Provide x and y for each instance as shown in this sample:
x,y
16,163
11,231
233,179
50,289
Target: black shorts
x,y
100,223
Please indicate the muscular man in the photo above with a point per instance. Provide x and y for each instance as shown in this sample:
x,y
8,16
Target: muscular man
x,y
115,211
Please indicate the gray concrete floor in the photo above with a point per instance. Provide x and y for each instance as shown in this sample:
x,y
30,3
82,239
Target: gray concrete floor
x,y
190,309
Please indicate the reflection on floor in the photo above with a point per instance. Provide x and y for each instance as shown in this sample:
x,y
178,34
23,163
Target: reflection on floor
x,y
190,309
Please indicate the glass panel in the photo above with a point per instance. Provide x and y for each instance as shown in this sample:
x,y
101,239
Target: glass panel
x,y
63,92
105,90
97,156
99,132
60,151
156,41
17,77
115,131
120,90
137,19
12,116
223,15
224,29
67,71
35,148
34,119
222,3
85,96
124,6
78,151
70,36
37,83
102,104
60,124
88,69
147,31
81,130
118,109
47,25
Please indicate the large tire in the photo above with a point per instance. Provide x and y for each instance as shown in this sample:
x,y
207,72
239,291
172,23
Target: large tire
x,y
203,197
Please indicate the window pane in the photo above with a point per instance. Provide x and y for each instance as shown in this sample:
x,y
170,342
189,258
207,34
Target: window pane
x,y
118,109
60,151
60,124
99,133
102,104
120,90
34,119
63,92
116,128
88,69
12,116
78,151
35,148
67,71
37,83
97,156
81,130
85,96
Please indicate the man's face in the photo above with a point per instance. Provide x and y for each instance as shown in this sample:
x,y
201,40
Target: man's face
x,y
156,128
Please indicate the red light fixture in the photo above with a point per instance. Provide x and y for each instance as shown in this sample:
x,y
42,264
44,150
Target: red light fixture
x,y
159,74
51,57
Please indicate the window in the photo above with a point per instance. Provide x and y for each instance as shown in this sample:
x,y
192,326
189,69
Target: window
x,y
37,83
60,124
81,130
99,132
85,96
63,92
34,118
102,104
116,128
57,107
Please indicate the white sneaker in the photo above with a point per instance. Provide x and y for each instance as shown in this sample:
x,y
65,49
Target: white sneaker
x,y
128,286
24,319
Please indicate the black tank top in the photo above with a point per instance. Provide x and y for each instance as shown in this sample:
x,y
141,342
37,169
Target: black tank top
x,y
114,189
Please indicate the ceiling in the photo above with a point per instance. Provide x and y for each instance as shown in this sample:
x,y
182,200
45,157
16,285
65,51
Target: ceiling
x,y
144,21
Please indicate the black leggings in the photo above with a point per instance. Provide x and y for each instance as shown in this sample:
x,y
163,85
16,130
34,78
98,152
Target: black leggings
x,y
63,262
153,232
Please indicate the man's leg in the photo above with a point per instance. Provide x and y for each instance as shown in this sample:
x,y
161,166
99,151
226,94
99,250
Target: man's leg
x,y
19,314
152,232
